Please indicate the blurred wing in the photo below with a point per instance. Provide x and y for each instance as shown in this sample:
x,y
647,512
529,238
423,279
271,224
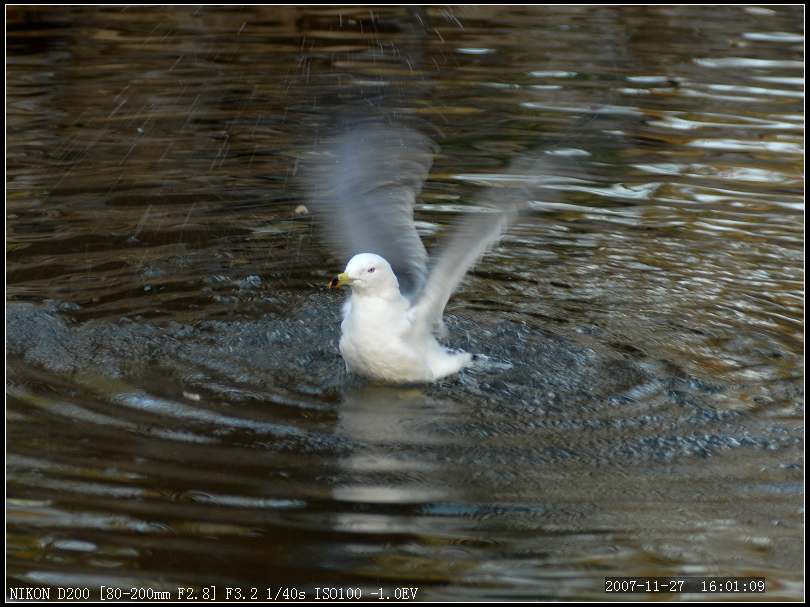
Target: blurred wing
x,y
362,185
475,234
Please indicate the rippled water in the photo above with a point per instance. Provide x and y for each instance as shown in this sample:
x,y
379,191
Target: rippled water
x,y
177,411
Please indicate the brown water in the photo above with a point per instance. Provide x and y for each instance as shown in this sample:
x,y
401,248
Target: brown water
x,y
177,411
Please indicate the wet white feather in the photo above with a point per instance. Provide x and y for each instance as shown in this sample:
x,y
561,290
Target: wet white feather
x,y
363,185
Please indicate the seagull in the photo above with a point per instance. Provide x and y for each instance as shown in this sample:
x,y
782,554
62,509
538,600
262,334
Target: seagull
x,y
362,185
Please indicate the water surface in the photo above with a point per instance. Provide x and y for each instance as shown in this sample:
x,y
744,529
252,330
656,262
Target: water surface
x,y
177,411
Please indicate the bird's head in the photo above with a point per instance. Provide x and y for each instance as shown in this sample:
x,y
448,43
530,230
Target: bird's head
x,y
367,273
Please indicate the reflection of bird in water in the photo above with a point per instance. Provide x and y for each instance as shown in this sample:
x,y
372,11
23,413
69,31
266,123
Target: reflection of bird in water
x,y
363,187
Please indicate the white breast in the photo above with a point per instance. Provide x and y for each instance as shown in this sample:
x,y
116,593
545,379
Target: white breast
x,y
377,340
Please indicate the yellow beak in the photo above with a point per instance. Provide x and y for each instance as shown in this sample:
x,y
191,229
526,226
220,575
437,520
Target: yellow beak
x,y
339,281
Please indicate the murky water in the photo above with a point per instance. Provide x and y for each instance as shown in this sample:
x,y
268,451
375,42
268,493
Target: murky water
x,y
177,411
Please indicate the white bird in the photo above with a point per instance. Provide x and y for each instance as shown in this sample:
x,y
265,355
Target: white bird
x,y
362,188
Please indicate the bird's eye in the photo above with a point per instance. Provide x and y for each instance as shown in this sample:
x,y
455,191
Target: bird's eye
x,y
370,270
